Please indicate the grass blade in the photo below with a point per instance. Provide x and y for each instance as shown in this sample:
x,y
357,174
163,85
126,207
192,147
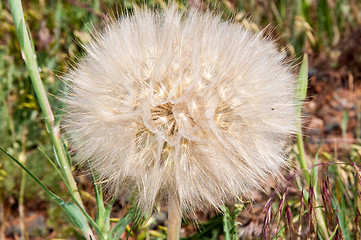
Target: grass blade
x,y
120,226
50,193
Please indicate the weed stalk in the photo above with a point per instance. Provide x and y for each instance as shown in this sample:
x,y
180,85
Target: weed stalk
x,y
28,54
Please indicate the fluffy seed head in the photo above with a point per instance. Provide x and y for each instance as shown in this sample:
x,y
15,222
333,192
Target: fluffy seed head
x,y
183,104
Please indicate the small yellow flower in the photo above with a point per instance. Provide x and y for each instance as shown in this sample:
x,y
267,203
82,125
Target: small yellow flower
x,y
182,104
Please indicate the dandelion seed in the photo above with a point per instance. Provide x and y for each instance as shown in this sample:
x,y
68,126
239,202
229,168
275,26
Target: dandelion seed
x,y
181,109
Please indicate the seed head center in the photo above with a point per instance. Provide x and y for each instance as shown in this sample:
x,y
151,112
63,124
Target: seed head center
x,y
162,116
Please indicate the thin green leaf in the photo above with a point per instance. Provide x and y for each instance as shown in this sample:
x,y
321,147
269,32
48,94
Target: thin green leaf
x,y
130,231
281,231
120,226
107,212
333,233
102,220
66,152
57,170
57,199
302,82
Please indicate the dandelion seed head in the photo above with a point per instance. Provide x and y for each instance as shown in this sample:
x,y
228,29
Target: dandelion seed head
x,y
180,103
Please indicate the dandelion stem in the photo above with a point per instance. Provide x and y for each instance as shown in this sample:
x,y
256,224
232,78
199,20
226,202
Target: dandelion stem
x,y
174,218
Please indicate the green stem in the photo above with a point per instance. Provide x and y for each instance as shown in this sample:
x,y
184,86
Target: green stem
x,y
28,54
301,95
302,157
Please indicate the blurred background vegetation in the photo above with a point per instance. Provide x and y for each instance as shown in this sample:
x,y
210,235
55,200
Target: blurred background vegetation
x,y
329,31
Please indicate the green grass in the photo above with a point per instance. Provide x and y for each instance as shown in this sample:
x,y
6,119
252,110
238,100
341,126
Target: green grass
x,y
326,204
